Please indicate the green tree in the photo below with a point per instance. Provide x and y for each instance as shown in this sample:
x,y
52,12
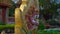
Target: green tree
x,y
12,9
49,10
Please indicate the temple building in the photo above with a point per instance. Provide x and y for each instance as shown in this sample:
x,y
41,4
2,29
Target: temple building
x,y
4,10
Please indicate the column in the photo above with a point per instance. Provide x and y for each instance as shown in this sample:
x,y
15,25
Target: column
x,y
7,15
0,15
3,15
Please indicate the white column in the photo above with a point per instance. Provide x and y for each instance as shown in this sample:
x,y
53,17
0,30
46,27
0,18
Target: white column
x,y
7,15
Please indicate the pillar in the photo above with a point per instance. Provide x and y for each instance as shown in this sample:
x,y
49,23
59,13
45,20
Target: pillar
x,y
3,15
7,15
0,15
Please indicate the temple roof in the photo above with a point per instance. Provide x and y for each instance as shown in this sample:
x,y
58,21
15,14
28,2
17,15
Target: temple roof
x,y
5,3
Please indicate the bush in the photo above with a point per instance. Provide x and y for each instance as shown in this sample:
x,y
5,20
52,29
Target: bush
x,y
48,32
41,25
6,26
1,23
9,26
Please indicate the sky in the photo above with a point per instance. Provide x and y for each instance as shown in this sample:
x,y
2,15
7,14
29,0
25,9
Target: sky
x,y
58,1
15,1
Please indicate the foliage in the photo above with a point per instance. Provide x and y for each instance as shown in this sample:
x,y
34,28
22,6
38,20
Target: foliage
x,y
41,25
2,27
53,22
1,23
49,10
9,25
12,9
49,32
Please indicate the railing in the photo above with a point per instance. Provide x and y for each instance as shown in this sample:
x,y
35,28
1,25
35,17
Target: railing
x,y
11,20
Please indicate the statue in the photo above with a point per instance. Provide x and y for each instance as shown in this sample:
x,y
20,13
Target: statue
x,y
26,15
31,19
19,22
